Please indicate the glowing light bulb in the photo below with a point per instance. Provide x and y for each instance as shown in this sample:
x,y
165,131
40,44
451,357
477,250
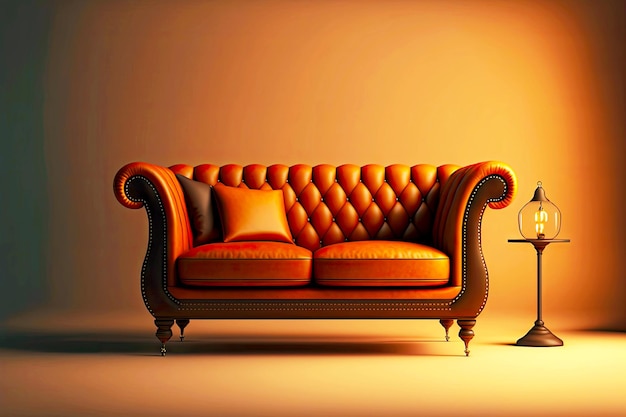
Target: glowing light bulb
x,y
541,218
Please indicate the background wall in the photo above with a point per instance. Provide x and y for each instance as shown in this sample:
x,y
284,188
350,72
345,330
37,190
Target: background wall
x,y
537,84
24,31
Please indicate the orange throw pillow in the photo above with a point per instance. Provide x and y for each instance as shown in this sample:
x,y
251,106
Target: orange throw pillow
x,y
252,214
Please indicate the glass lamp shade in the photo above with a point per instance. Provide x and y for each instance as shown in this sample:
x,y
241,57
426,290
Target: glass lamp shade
x,y
539,218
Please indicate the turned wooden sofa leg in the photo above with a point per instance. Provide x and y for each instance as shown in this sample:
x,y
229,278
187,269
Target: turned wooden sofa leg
x,y
466,333
164,332
446,323
182,323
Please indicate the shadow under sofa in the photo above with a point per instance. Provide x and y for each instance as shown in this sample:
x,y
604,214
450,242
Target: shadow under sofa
x,y
314,242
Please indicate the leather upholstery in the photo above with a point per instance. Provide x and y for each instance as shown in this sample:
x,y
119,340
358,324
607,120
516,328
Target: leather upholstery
x,y
156,188
380,263
248,214
203,214
317,293
453,215
327,204
438,206
245,264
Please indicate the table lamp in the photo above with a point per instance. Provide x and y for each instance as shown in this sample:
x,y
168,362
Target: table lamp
x,y
539,223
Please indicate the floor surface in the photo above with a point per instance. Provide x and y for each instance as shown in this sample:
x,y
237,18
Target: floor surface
x,y
304,368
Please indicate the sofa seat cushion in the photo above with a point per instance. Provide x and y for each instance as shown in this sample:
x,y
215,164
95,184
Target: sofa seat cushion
x,y
255,263
380,263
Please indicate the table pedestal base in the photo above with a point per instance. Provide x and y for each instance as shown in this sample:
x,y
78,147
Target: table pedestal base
x,y
539,336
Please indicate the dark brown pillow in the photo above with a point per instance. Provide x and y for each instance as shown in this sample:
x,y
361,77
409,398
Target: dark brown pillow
x,y
202,212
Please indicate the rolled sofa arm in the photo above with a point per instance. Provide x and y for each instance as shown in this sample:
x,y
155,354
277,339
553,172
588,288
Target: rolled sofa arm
x,y
156,188
457,227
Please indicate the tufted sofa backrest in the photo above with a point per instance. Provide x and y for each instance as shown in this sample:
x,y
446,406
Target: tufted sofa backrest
x,y
327,204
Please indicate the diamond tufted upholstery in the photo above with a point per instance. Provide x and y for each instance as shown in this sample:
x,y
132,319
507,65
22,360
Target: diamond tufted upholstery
x,y
327,204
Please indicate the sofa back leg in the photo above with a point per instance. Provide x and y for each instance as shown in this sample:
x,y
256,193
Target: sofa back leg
x,y
164,332
466,333
446,323
182,323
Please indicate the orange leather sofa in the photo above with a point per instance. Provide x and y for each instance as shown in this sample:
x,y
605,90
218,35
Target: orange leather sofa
x,y
315,242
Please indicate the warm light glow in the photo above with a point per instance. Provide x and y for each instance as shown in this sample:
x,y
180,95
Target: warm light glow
x,y
334,82
541,218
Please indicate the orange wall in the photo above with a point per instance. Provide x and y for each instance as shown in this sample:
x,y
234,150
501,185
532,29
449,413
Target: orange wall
x,y
537,84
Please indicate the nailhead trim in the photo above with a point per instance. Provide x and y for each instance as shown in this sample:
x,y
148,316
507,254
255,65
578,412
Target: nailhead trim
x,y
150,233
465,220
316,306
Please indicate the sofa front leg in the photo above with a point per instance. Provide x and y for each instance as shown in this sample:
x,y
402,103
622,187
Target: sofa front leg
x,y
466,333
446,323
164,332
182,323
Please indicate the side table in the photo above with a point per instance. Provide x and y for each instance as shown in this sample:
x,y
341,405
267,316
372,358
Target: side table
x,y
539,335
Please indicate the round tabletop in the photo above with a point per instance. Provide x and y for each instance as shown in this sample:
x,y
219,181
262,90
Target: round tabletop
x,y
539,240
539,244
